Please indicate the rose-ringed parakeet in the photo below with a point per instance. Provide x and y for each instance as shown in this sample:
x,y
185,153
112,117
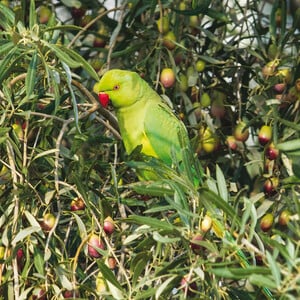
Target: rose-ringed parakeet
x,y
142,116
147,121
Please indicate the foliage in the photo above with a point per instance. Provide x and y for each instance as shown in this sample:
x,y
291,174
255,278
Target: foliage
x,y
195,232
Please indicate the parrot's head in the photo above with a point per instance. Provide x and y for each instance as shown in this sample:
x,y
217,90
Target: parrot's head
x,y
120,87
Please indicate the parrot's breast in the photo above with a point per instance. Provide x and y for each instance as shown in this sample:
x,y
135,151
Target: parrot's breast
x,y
131,122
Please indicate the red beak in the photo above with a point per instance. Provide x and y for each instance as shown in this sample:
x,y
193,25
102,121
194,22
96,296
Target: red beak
x,y
103,99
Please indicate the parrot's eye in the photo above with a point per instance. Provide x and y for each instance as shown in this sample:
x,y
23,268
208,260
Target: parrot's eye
x,y
116,87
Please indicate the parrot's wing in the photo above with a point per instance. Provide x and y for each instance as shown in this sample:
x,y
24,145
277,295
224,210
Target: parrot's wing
x,y
163,130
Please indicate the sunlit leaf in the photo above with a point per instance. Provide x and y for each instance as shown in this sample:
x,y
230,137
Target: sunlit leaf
x,y
164,239
109,275
138,269
163,286
81,226
274,269
152,188
38,261
211,200
72,3
77,57
65,282
222,186
45,153
33,222
63,56
24,233
292,145
32,14
239,273
152,222
262,281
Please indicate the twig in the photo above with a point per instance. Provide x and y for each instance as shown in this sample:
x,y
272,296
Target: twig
x,y
11,158
115,33
16,79
84,29
104,112
96,107
110,128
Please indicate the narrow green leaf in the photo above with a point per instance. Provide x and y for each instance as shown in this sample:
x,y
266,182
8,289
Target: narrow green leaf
x,y
67,27
159,208
138,268
127,50
45,153
31,74
292,145
189,108
62,55
21,235
32,14
256,54
3,139
249,211
24,294
210,199
153,223
109,275
55,81
4,63
80,186
6,214
38,260
253,222
33,222
4,130
65,282
163,286
73,98
163,239
4,237
212,185
49,196
6,47
7,17
77,57
216,15
290,124
273,25
179,195
116,293
16,147
183,213
174,264
72,3
283,27
145,294
186,160
151,188
262,281
222,186
274,269
81,226
240,273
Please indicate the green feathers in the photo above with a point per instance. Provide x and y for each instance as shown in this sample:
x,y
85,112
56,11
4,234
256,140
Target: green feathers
x,y
143,118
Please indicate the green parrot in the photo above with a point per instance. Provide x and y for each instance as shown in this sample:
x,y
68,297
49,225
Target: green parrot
x,y
142,116
144,119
